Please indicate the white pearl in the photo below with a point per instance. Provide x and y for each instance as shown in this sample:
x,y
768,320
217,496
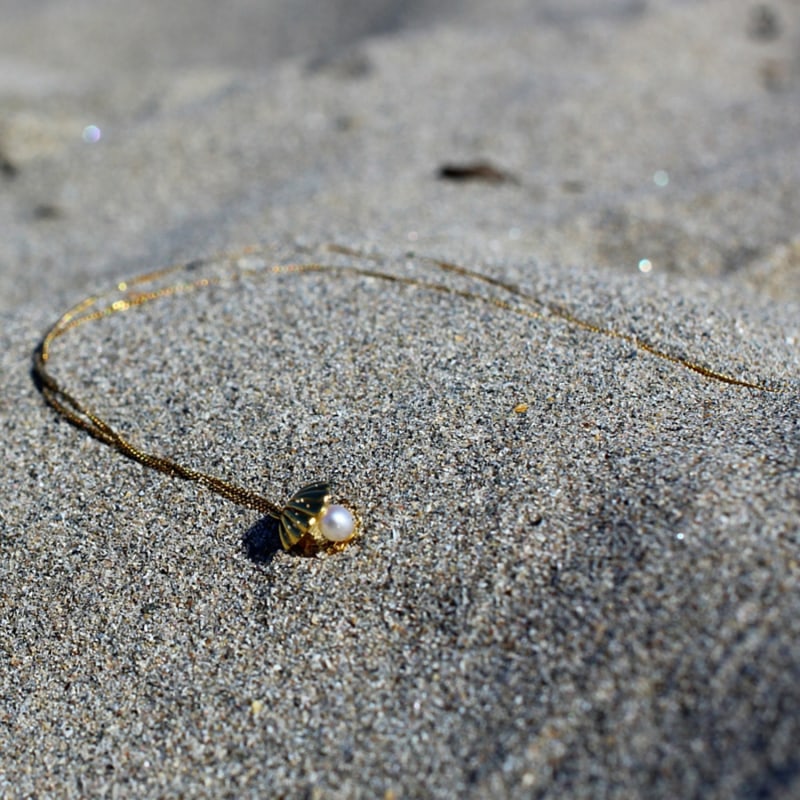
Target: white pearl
x,y
337,524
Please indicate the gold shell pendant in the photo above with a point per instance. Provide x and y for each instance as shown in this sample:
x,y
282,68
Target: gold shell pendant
x,y
310,516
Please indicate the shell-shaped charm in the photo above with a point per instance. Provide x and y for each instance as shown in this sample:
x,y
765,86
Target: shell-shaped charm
x,y
310,514
302,512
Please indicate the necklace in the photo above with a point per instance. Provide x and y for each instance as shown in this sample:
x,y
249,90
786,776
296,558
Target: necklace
x,y
310,520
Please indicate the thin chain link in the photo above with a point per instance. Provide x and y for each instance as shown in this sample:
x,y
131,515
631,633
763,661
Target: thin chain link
x,y
91,310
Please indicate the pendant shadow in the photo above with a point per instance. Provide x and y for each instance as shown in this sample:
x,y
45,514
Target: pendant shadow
x,y
261,541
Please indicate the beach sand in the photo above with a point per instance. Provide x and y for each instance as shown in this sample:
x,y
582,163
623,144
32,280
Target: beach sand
x,y
596,596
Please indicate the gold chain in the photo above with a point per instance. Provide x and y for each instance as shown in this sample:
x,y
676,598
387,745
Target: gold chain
x,y
92,309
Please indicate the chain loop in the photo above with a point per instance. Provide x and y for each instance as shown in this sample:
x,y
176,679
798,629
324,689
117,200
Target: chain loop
x,y
92,309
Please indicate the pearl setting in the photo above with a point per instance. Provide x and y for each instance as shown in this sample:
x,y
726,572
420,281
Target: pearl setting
x,y
337,524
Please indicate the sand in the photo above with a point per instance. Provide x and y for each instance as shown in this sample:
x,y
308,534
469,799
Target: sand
x,y
596,596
